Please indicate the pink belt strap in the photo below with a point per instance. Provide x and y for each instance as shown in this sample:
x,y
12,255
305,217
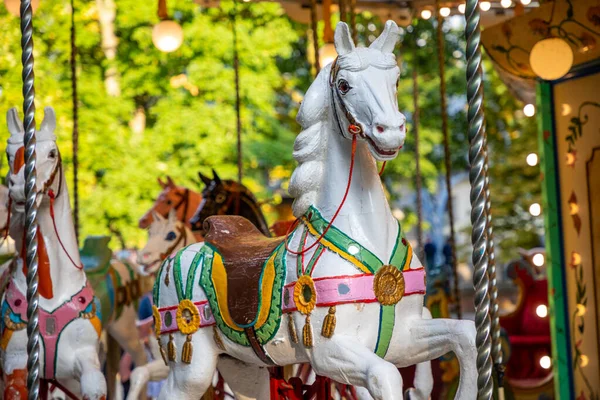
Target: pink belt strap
x,y
168,322
337,290
51,323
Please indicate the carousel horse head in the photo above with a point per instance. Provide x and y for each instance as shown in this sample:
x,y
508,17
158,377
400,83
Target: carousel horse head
x,y
48,161
360,89
172,197
165,235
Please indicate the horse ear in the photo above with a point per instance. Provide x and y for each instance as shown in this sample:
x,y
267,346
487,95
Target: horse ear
x,y
343,40
205,179
156,216
170,182
388,38
161,183
172,215
15,125
216,177
49,122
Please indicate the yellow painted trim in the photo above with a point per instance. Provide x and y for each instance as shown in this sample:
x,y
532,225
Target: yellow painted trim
x,y
268,280
97,324
409,257
5,339
219,281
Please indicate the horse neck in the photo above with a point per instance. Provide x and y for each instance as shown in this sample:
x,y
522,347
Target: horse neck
x,y
249,209
187,211
365,215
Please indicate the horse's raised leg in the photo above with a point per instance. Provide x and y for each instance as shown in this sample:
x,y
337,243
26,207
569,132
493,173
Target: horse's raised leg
x,y
427,339
190,381
93,384
347,361
423,382
245,380
154,371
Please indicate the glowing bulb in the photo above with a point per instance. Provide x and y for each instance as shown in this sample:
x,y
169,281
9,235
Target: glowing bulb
x,y
14,6
580,310
532,159
506,3
444,11
584,360
327,54
551,58
573,208
485,5
525,2
541,311
545,362
461,8
538,259
535,209
167,36
529,110
575,258
426,14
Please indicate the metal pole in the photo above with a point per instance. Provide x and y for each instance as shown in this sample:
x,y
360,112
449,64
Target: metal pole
x,y
418,181
479,218
75,136
238,102
33,333
353,21
447,161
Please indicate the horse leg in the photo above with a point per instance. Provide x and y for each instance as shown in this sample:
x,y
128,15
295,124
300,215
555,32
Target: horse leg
x,y
423,383
245,380
190,381
347,361
427,339
91,379
154,371
15,387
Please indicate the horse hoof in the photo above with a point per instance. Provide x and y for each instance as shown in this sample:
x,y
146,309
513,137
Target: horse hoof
x,y
407,393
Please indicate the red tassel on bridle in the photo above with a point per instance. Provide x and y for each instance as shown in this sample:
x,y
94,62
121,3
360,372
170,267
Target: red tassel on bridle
x,y
52,197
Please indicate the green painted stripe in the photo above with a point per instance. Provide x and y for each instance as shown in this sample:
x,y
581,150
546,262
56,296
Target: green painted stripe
x,y
313,260
191,277
156,289
300,257
557,298
387,319
177,275
398,258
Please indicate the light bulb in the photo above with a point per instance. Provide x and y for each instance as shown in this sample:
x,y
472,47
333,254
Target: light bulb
x,y
506,3
535,209
461,8
167,36
551,58
541,311
538,259
426,14
532,159
529,110
584,360
14,6
545,362
485,5
525,2
444,11
327,54
580,310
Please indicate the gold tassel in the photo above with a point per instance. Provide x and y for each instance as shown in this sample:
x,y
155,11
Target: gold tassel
x,y
217,338
307,336
167,274
329,323
188,350
172,352
163,353
292,329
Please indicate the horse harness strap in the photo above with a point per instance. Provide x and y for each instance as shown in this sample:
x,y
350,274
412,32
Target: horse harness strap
x,y
354,127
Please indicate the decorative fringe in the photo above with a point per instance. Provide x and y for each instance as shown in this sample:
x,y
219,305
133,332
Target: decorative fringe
x,y
167,274
307,336
292,329
163,353
217,338
188,350
329,323
171,351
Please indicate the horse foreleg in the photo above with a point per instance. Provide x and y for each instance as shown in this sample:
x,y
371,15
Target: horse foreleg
x,y
423,382
91,379
154,371
347,361
245,380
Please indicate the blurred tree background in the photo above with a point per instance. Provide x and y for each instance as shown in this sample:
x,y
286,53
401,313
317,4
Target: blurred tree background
x,y
145,114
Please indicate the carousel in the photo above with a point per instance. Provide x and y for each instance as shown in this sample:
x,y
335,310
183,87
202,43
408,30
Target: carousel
x,y
328,297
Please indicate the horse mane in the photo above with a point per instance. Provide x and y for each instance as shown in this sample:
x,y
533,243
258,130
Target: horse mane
x,y
310,145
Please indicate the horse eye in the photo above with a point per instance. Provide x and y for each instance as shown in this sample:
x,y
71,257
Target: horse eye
x,y
220,198
343,86
170,236
169,202
52,154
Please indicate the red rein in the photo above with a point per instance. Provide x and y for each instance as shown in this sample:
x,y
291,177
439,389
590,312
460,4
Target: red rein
x,y
52,198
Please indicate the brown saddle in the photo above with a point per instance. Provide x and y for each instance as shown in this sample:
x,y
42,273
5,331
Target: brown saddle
x,y
244,250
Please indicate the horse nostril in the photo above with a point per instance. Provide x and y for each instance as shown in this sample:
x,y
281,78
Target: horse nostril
x,y
380,129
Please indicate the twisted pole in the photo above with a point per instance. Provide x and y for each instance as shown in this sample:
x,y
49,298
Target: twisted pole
x,y
418,179
479,218
447,160
33,332
75,136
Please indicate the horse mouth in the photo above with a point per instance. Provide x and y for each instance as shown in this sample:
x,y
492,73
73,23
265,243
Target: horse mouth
x,y
381,151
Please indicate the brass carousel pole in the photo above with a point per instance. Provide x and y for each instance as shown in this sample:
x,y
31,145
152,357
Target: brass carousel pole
x,y
479,218
314,24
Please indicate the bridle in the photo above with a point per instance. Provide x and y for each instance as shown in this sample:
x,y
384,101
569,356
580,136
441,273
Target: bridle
x,y
185,201
181,237
354,127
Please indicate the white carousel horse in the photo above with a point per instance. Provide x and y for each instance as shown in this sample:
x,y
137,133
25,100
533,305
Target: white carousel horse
x,y
7,253
351,287
69,324
166,236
